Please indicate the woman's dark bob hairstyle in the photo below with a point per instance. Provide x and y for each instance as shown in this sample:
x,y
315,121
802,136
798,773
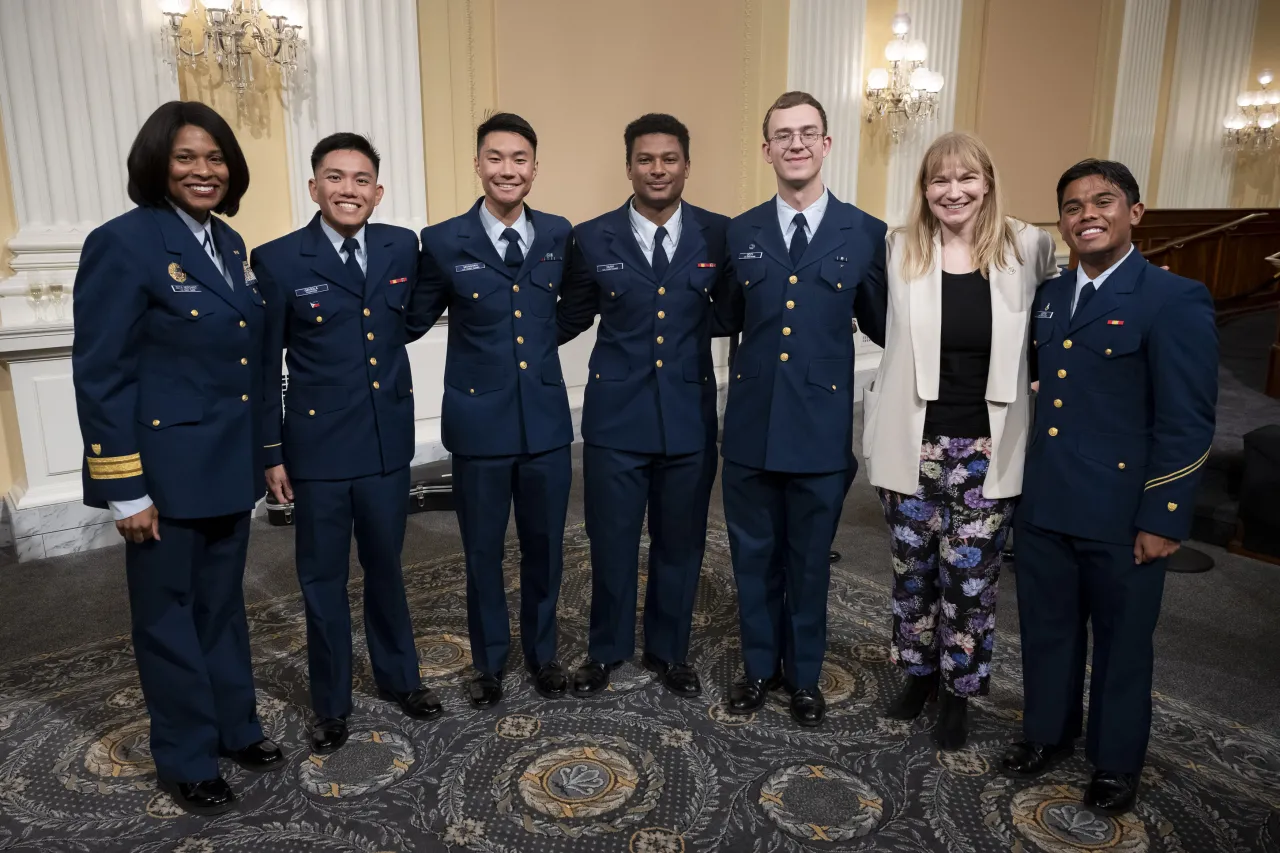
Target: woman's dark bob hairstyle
x,y
153,146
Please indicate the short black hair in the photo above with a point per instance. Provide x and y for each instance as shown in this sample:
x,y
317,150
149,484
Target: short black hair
x,y
148,162
656,123
1109,170
344,141
508,122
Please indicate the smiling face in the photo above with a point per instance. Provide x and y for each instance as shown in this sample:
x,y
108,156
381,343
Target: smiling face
x,y
347,190
1096,220
657,169
506,167
796,144
198,172
955,194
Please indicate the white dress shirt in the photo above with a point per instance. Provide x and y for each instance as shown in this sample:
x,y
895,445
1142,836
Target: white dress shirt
x,y
362,255
812,217
645,231
1082,279
493,227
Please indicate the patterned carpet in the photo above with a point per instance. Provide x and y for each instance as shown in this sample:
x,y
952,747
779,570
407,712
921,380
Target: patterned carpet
x,y
636,771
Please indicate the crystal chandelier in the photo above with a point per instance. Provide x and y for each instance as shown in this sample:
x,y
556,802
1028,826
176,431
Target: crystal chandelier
x,y
906,91
233,30
1251,128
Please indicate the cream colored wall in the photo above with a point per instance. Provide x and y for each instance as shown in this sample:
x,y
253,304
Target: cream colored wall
x,y
1257,180
11,464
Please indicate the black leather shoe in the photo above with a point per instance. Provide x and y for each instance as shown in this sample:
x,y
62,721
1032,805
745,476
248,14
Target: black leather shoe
x,y
911,701
592,677
953,721
550,681
328,736
747,695
260,757
420,703
1111,793
1027,759
679,678
833,557
211,797
808,708
485,690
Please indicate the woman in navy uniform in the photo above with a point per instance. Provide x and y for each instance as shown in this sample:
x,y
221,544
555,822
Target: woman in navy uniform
x,y
168,369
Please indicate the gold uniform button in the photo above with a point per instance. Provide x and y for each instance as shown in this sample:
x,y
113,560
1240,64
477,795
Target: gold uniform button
x,y
791,304
243,324
662,291
244,361
1057,404
597,376
1066,344
515,288
311,412
376,386
786,330
369,336
1053,430
1121,466
155,423
473,390
523,365
746,284
518,314
662,315
612,294
475,296
793,279
839,286
1172,507
319,319
366,312
1107,351
373,361
659,338
244,398
1062,374
833,387
783,357
195,313
658,362
519,339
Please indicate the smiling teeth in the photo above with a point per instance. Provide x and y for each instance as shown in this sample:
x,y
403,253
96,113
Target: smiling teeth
x,y
1090,231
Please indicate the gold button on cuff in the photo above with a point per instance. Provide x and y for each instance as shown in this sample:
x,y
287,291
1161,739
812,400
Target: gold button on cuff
x,y
515,288
1108,351
366,312
244,361
195,313
1121,466
243,324
1057,404
373,361
662,291
658,362
1066,344
1172,507
369,336
244,398
783,357
1053,430
662,315
786,330
376,386
311,412
793,279
523,365
519,339
518,314
319,319
791,304
1062,374
155,423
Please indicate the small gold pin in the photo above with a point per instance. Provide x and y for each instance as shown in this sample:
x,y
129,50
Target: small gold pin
x,y
236,252
176,273
97,449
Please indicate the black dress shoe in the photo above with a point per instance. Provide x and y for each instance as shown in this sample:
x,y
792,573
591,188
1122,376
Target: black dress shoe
x,y
911,701
808,708
260,757
679,678
328,736
420,703
1028,758
550,681
747,695
833,557
953,725
211,797
485,690
592,677
1111,793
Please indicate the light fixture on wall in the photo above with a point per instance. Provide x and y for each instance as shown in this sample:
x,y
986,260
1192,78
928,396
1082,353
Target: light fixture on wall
x,y
907,91
233,31
1252,127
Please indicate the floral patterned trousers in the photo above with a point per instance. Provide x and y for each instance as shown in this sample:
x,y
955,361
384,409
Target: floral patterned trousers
x,y
946,543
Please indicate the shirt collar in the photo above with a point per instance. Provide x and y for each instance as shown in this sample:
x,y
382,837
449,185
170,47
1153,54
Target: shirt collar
x,y
645,230
1082,279
493,225
199,229
337,239
817,209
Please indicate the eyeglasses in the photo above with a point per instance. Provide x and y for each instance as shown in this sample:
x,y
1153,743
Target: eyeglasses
x,y
783,138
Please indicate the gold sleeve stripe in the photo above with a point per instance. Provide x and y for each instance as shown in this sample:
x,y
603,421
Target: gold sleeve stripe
x,y
114,467
269,446
1177,475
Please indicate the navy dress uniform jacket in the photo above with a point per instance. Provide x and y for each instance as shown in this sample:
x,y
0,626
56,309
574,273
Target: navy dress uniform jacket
x,y
790,406
350,396
1125,414
651,386
168,366
501,357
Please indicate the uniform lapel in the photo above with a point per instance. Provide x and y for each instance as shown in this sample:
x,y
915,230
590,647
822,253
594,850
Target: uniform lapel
x,y
769,235
232,262
543,242
829,235
1107,299
622,242
377,256
324,259
195,262
692,244
475,242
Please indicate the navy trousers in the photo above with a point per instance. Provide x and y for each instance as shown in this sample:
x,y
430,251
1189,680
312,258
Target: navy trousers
x,y
325,513
1065,582
191,642
485,487
780,530
677,490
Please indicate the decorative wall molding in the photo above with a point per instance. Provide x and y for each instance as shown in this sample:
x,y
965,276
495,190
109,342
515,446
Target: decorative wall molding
x,y
1215,41
937,23
1133,124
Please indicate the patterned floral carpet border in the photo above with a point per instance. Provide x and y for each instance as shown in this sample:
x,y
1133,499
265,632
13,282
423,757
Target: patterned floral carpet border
x,y
635,771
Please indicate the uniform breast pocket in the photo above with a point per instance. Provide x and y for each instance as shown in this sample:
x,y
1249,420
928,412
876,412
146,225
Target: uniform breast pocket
x,y
318,309
702,280
619,306
544,284
479,297
840,280
1116,364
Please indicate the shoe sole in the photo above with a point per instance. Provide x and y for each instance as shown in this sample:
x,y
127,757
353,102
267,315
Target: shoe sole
x,y
808,724
332,749
1112,812
203,811
1053,761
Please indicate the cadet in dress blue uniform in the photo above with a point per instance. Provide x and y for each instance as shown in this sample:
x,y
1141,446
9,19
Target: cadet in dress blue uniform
x,y
649,417
802,266
1127,362
167,365
498,270
336,292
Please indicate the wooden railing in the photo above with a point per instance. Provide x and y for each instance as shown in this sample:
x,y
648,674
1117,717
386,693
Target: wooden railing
x,y
1200,235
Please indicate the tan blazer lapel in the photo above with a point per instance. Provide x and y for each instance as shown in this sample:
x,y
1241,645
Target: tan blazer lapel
x,y
926,325
1008,332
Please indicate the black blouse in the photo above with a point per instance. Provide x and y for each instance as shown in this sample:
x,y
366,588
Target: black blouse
x,y
961,408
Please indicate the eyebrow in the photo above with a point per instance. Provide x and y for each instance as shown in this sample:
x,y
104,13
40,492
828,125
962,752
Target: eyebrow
x,y
334,170
807,127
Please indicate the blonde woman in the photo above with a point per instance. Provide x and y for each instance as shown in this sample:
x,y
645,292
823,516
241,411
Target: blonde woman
x,y
946,421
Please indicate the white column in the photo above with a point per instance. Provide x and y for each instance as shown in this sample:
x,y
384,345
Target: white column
x,y
824,58
363,77
937,24
1215,40
1133,120
77,80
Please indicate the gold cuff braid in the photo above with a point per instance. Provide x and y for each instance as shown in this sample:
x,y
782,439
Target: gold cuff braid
x,y
1177,475
114,467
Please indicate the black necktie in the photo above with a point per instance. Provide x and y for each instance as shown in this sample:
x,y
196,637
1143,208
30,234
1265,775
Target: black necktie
x,y
799,242
350,246
514,257
660,259
1086,293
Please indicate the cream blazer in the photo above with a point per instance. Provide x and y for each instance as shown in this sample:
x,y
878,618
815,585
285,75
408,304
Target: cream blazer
x,y
894,404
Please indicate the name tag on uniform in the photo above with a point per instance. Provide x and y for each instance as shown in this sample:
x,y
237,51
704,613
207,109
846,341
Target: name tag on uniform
x,y
1044,313
185,288
749,256
309,291
608,267
249,277
468,267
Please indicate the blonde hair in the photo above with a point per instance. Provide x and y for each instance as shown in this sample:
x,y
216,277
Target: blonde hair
x,y
994,234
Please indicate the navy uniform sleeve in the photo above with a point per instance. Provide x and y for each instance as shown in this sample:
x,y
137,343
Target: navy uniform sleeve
x,y
579,299
430,296
728,302
1182,353
275,339
871,305
109,310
